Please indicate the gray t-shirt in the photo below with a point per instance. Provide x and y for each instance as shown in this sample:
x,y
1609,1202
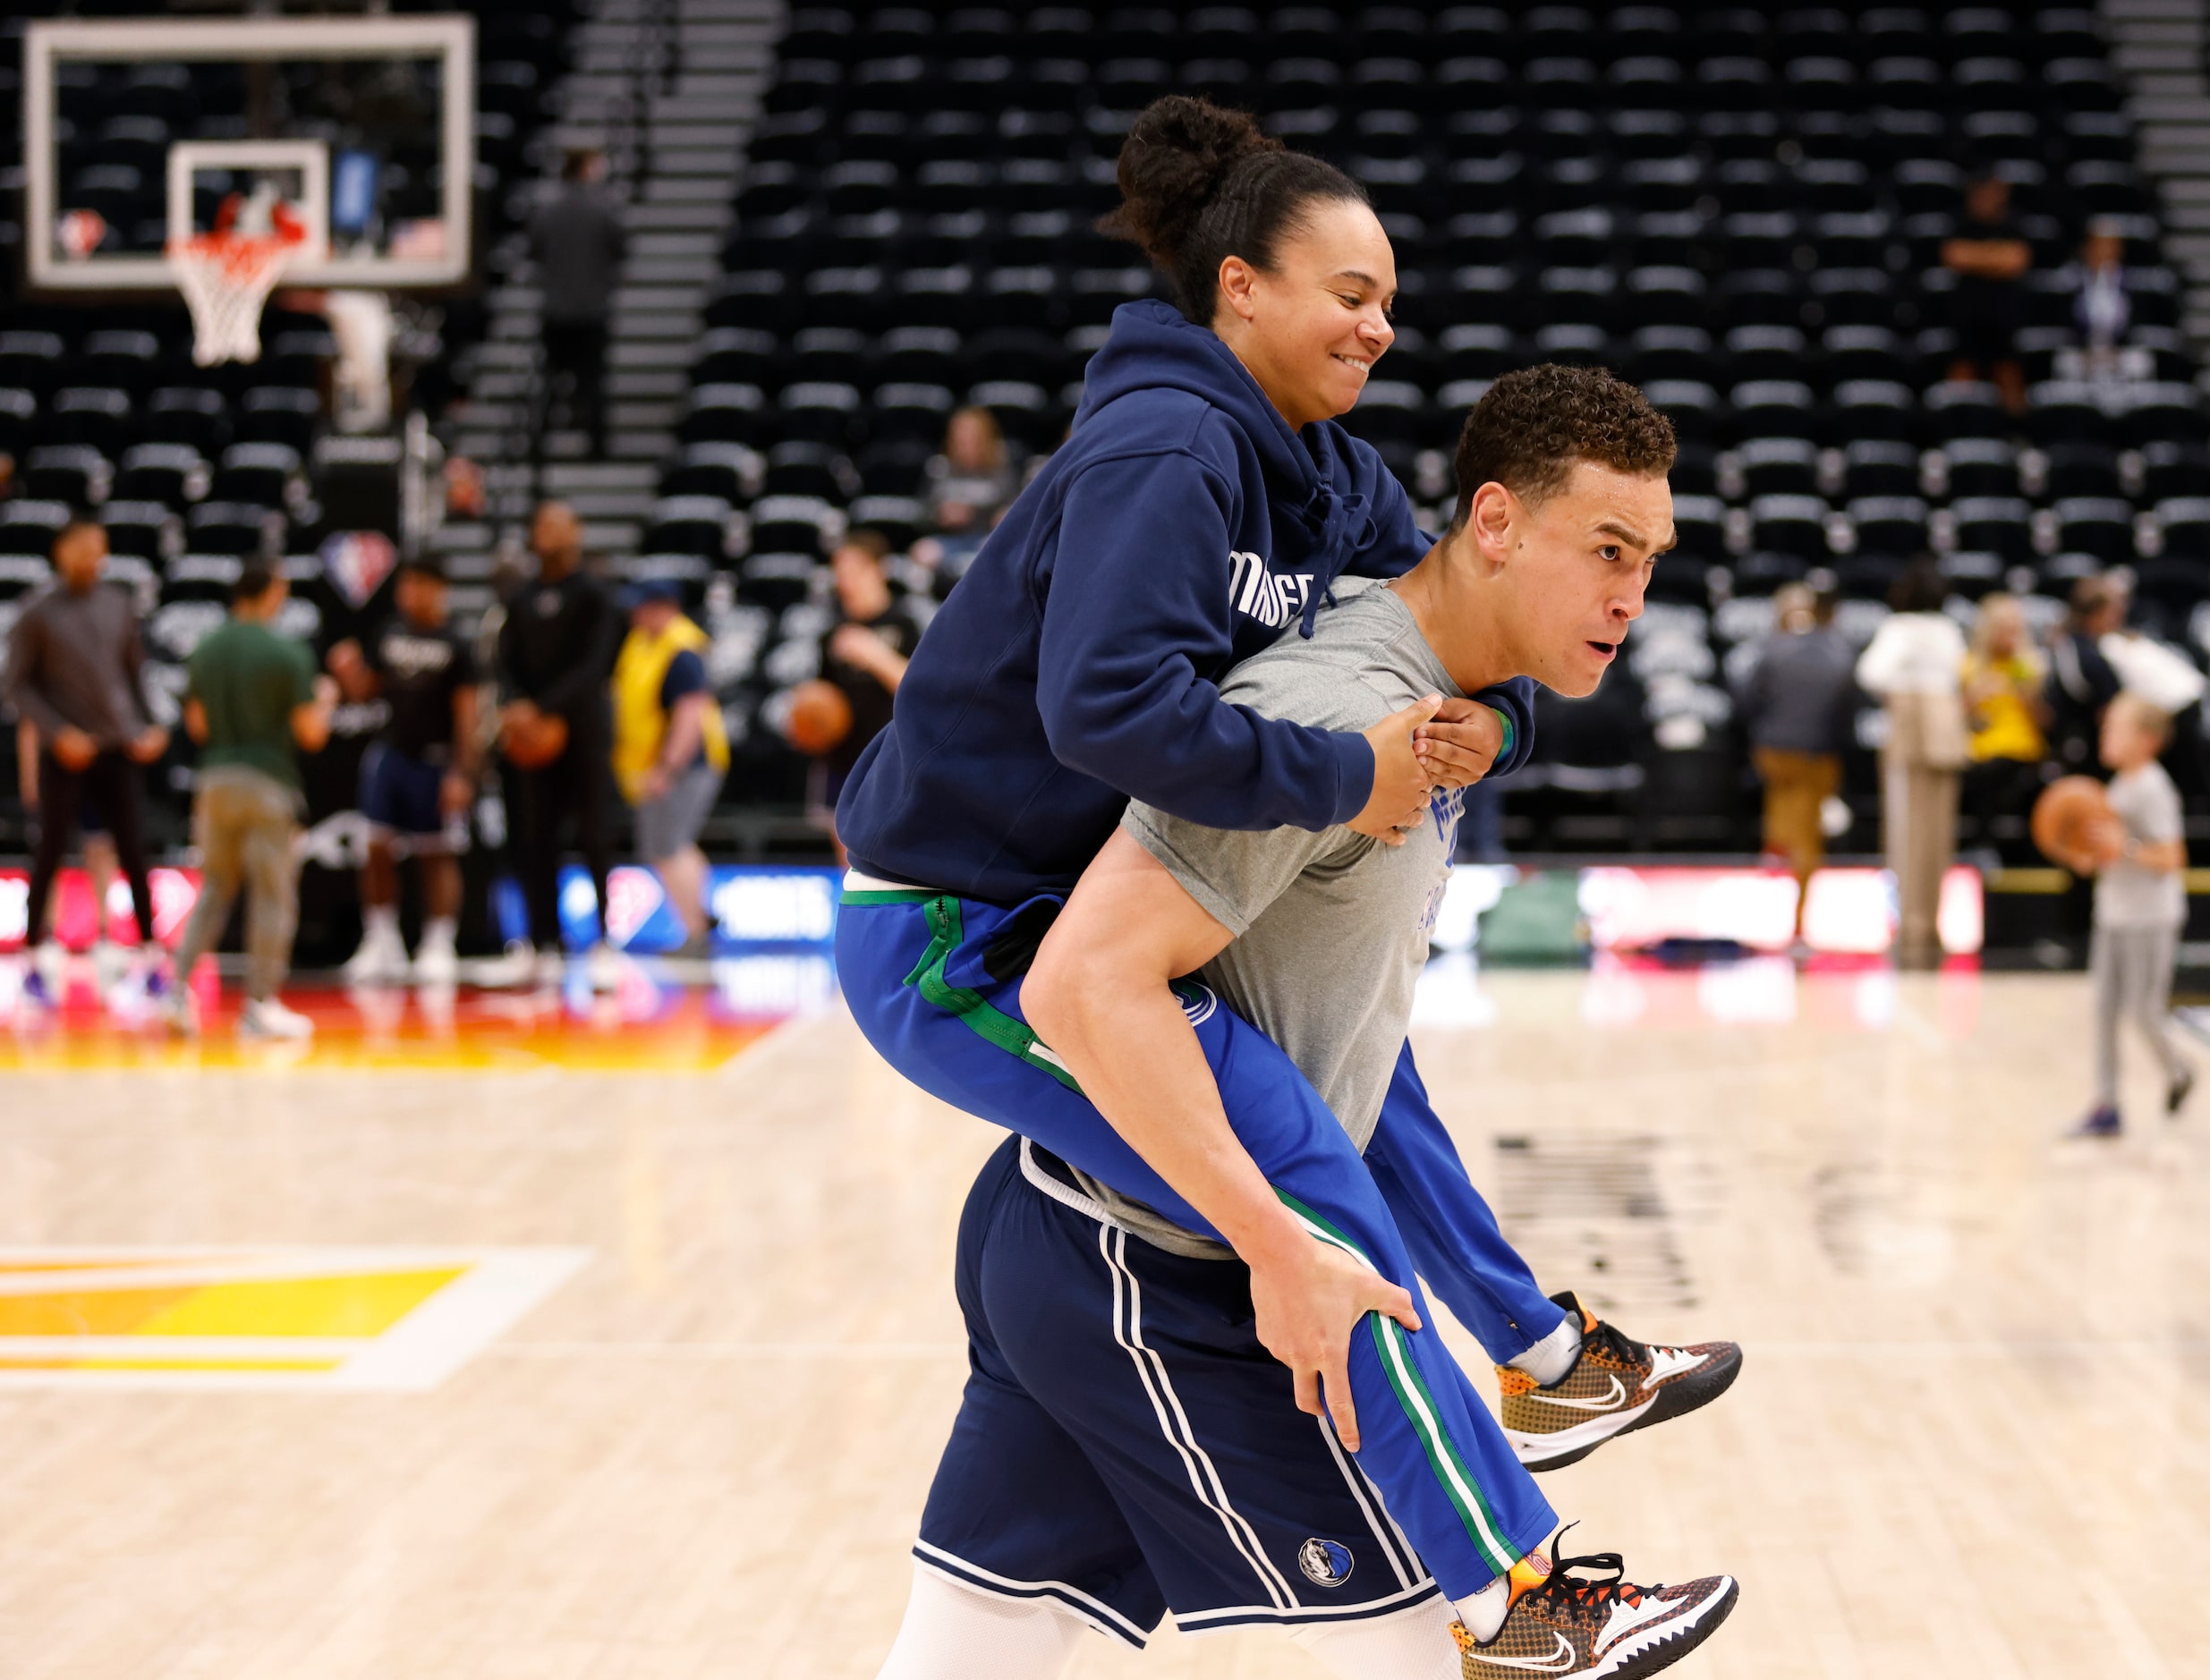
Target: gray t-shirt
x,y
2126,894
1331,929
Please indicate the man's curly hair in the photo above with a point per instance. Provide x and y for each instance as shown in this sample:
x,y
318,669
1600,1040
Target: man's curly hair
x,y
1533,424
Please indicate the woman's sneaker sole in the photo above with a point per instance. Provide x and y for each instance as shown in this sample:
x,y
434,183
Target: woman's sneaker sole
x,y
1554,1449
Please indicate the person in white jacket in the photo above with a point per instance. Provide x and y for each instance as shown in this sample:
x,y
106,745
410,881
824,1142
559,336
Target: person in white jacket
x,y
1916,662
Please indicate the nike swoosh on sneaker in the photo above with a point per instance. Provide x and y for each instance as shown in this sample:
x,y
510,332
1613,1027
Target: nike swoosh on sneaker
x,y
1560,1661
1609,1402
1627,1617
1670,1362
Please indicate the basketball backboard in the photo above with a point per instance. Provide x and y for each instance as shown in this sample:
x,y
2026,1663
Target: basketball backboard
x,y
142,133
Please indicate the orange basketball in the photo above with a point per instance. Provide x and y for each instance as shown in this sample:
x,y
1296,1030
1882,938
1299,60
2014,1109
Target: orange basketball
x,y
821,717
2065,817
535,741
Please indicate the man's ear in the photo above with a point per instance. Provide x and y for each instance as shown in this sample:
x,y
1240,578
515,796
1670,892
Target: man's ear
x,y
1495,514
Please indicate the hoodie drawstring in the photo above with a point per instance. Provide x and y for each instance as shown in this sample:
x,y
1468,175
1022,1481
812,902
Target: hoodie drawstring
x,y
1344,532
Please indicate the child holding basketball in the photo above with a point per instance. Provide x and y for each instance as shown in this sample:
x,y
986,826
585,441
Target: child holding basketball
x,y
2140,904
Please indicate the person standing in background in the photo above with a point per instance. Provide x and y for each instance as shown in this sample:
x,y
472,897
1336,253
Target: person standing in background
x,y
671,749
865,656
76,674
100,866
418,777
1914,663
2081,681
2140,906
2002,679
556,652
252,698
1796,698
1989,257
577,241
2101,309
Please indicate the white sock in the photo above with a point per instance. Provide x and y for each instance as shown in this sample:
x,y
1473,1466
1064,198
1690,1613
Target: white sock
x,y
1483,1612
380,922
951,1633
437,933
1549,1359
1414,1644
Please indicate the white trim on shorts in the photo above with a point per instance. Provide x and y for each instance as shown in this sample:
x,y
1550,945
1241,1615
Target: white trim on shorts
x,y
1100,1615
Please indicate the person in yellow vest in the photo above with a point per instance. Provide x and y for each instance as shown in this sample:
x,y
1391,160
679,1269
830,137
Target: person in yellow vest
x,y
670,750
2003,675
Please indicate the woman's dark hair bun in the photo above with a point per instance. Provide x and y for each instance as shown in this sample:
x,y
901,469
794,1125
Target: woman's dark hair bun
x,y
1199,183
1178,156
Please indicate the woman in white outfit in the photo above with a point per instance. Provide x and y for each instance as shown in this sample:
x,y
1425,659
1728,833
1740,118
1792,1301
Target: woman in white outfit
x,y
1915,665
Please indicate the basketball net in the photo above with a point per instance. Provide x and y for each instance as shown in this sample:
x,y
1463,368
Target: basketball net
x,y
226,278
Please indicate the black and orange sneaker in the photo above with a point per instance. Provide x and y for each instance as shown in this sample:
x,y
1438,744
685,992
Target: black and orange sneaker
x,y
1561,1623
1616,1386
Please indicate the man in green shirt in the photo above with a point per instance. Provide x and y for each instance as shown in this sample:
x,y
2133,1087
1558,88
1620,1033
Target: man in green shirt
x,y
252,698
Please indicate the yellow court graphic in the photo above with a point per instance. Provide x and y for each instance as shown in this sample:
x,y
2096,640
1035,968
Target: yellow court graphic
x,y
347,1318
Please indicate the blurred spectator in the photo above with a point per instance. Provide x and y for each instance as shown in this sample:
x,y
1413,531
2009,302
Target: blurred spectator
x,y
577,243
1989,257
1797,700
464,496
1916,662
251,698
2081,681
418,777
670,748
971,482
555,651
865,656
2099,302
2002,680
76,676
100,864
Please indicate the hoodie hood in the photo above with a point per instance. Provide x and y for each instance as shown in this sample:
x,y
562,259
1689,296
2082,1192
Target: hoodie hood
x,y
1153,346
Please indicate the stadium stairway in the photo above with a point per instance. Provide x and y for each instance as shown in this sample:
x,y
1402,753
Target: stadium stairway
x,y
2158,46
669,89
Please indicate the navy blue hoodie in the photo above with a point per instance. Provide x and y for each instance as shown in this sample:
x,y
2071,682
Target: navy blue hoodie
x,y
1181,528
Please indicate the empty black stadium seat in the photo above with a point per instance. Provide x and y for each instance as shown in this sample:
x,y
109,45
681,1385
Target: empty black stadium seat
x,y
72,473
1877,468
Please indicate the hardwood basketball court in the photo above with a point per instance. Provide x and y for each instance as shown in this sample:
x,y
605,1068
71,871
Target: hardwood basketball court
x,y
532,1365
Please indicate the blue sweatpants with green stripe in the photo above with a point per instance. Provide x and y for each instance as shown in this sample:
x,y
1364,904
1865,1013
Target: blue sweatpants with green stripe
x,y
915,970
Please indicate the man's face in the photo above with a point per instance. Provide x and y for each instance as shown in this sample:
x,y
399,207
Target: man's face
x,y
79,560
554,530
1574,569
861,588
1990,200
652,616
422,599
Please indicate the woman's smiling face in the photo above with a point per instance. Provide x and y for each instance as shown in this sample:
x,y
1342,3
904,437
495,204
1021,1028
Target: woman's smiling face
x,y
1311,328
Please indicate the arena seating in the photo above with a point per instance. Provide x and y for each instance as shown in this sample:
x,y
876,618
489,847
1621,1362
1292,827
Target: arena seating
x,y
1741,208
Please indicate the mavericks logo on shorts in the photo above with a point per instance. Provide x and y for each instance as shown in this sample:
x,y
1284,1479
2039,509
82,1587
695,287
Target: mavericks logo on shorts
x,y
1326,1562
1198,1002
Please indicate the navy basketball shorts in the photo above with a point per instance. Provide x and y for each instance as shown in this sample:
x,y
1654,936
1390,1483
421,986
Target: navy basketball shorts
x,y
916,969
400,793
1125,1446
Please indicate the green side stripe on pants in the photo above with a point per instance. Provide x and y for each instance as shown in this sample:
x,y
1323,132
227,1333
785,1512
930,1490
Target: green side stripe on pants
x,y
947,930
1418,1402
883,895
